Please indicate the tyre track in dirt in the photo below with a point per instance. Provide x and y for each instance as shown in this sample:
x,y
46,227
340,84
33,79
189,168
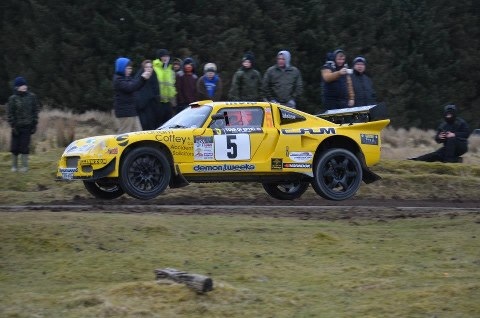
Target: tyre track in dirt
x,y
340,211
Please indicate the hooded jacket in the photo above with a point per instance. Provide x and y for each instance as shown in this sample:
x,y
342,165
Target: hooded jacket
x,y
166,80
457,125
210,89
282,84
124,88
186,84
246,85
363,88
22,110
337,89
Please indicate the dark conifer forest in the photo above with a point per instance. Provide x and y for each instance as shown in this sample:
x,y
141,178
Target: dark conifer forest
x,y
422,54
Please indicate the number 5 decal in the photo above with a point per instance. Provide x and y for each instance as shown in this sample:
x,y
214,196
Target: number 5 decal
x,y
232,147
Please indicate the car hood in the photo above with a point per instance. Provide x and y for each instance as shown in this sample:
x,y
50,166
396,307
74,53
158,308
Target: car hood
x,y
88,145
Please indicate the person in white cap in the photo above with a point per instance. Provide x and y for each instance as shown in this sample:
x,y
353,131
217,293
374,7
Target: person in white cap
x,y
210,86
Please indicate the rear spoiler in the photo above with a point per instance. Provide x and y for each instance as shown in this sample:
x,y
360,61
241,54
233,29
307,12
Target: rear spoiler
x,y
350,115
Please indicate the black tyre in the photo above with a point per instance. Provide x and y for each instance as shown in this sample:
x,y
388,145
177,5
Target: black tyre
x,y
286,191
145,173
103,189
337,174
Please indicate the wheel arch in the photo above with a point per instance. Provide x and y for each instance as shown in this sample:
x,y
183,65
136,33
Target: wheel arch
x,y
340,142
149,143
350,145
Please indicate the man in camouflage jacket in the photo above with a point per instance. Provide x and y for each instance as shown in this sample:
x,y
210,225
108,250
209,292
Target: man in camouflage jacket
x,y
22,113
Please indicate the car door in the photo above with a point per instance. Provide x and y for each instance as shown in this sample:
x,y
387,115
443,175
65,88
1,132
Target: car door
x,y
240,134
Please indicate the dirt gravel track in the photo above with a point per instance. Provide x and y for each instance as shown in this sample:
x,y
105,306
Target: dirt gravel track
x,y
301,209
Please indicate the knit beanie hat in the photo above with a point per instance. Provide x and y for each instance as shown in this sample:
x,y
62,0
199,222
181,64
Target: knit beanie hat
x,y
210,67
359,59
249,56
19,81
162,52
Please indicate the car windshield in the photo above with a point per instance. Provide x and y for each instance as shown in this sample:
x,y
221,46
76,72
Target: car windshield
x,y
191,117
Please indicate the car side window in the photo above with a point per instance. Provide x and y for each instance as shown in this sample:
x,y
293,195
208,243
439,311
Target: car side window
x,y
239,117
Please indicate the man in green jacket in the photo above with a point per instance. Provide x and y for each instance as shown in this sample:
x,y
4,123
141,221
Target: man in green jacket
x,y
282,82
22,114
246,82
166,81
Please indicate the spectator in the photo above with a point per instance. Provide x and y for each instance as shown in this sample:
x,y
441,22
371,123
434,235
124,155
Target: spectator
x,y
209,86
337,88
362,84
22,115
247,81
148,99
166,81
177,65
282,82
453,133
186,85
125,86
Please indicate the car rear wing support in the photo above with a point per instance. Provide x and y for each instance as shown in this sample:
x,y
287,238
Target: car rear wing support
x,y
350,115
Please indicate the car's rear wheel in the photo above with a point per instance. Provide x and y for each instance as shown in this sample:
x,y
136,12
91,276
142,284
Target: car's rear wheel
x,y
286,191
145,173
103,189
337,174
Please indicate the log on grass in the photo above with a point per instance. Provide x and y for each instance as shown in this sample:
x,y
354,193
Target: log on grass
x,y
199,283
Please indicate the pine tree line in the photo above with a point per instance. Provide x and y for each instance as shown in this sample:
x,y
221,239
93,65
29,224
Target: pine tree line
x,y
421,53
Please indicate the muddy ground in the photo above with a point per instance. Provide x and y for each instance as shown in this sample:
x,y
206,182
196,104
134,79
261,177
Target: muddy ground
x,y
304,208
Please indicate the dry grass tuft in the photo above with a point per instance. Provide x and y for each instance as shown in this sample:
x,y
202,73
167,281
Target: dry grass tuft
x,y
57,129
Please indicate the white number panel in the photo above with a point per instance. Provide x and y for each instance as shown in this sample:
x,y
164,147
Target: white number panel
x,y
232,147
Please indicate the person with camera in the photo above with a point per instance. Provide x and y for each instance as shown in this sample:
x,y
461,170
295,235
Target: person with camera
x,y
124,86
337,87
453,133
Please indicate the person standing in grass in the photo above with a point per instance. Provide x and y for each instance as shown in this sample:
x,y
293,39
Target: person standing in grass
x,y
186,85
246,82
166,81
22,115
282,82
362,84
148,98
125,85
337,87
210,86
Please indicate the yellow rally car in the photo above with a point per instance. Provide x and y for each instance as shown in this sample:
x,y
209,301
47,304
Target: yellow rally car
x,y
283,148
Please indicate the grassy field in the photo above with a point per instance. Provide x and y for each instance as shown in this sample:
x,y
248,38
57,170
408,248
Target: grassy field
x,y
92,264
101,265
401,179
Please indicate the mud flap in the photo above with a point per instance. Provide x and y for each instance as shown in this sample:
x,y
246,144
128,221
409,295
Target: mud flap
x,y
178,180
369,176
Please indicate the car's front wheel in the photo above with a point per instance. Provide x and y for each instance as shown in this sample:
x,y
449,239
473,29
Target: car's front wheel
x,y
286,191
103,190
145,173
337,174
